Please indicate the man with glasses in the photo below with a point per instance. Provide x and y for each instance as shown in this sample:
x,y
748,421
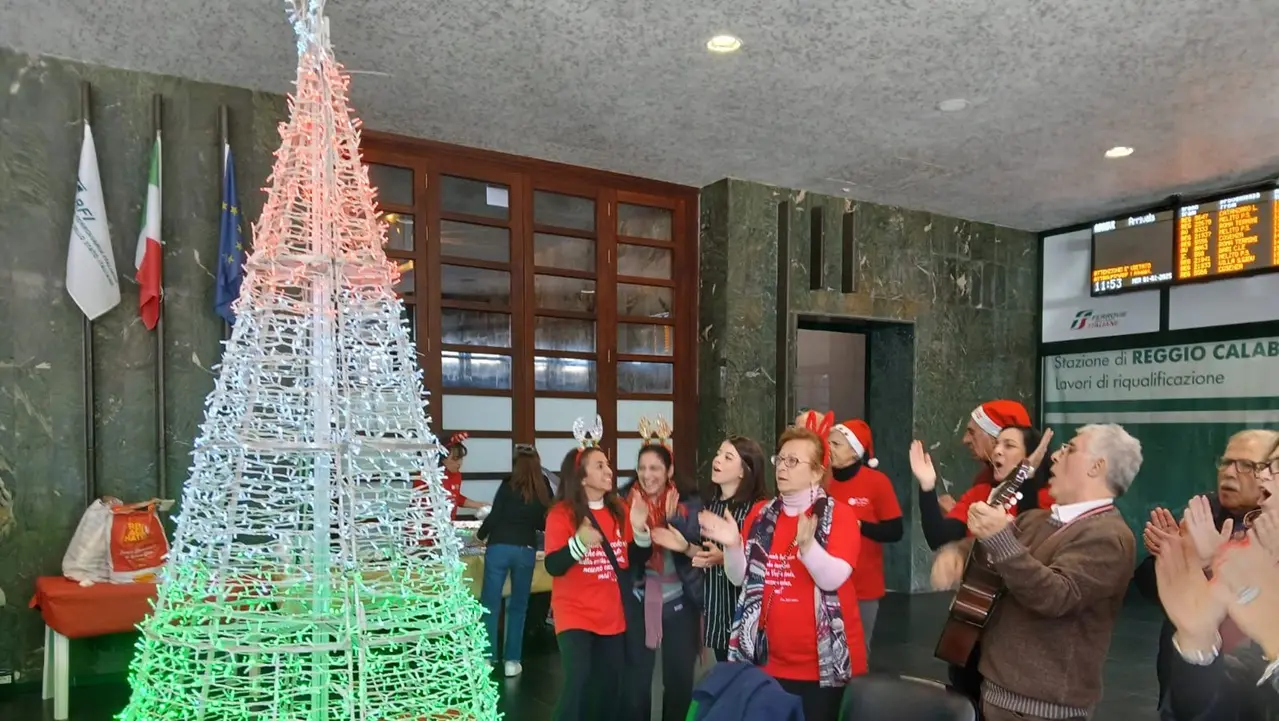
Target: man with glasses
x,y
1238,493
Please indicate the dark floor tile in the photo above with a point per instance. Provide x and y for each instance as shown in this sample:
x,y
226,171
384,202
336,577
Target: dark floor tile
x,y
903,643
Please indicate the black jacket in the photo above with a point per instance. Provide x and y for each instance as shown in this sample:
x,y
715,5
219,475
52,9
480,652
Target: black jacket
x,y
1169,668
1225,690
512,520
685,521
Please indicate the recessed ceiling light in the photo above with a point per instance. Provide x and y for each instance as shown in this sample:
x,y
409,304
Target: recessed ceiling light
x,y
724,44
952,105
1119,151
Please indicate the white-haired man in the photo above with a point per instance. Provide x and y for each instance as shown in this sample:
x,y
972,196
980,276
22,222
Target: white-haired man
x,y
1066,571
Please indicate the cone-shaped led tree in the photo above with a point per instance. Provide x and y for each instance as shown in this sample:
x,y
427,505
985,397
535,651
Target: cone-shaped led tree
x,y
308,581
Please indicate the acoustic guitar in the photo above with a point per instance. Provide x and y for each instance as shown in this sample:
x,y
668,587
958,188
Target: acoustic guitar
x,y
980,589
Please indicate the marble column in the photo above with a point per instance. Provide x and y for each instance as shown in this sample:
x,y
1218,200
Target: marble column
x,y
41,395
948,306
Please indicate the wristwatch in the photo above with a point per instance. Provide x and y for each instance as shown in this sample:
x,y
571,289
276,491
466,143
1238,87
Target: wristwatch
x,y
1198,657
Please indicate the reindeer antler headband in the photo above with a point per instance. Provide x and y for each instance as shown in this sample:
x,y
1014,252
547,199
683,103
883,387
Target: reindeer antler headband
x,y
656,433
821,425
587,437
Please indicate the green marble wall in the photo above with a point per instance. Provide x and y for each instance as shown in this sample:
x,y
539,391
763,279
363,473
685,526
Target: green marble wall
x,y
965,290
41,394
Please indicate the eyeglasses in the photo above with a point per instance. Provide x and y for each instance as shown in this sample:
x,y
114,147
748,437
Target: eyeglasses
x,y
1246,467
525,448
787,462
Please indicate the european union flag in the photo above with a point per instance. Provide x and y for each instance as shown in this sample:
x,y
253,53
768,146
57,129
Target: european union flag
x,y
230,246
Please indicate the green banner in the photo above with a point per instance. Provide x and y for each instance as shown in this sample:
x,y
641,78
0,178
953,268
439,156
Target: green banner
x,y
1182,402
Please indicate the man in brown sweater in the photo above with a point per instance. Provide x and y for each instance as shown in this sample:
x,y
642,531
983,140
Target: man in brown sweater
x,y
1066,571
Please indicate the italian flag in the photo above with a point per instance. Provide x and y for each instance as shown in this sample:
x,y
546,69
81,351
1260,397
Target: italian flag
x,y
150,248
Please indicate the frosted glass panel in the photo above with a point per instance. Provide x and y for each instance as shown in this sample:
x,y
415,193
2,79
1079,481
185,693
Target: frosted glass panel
x,y
630,412
553,450
558,414
488,455
476,413
628,452
482,491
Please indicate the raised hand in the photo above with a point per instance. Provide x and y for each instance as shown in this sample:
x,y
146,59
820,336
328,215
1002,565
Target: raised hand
x,y
1203,531
670,538
639,512
1041,450
1186,596
672,504
1160,529
1246,582
921,465
587,535
1265,532
720,529
805,531
709,556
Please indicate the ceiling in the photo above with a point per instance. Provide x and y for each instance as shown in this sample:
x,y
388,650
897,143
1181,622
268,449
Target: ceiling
x,y
832,96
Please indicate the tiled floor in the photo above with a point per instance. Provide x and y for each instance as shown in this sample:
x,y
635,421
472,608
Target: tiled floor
x,y
907,629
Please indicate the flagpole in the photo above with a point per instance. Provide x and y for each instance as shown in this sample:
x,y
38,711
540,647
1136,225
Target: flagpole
x,y
162,436
224,129
90,454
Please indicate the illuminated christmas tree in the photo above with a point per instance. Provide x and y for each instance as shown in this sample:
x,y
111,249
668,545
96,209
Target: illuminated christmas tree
x,y
308,581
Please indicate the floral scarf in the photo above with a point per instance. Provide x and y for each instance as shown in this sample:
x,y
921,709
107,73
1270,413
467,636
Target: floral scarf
x,y
748,643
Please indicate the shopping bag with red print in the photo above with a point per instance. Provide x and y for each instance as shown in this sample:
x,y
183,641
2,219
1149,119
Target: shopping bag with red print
x,y
138,544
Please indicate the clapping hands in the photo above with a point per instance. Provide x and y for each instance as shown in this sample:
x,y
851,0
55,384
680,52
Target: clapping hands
x,y
587,535
720,529
1202,530
1160,530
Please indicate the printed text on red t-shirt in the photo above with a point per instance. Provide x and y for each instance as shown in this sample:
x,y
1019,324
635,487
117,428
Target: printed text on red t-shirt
x,y
596,563
779,576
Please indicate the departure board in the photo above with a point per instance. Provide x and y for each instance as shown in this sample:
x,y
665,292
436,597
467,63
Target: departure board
x,y
1133,252
1228,237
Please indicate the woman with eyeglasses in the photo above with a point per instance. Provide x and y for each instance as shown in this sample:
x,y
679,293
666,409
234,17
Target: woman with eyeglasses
x,y
510,530
737,484
797,617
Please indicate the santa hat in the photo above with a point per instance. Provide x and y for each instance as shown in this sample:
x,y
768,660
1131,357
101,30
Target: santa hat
x,y
995,416
858,435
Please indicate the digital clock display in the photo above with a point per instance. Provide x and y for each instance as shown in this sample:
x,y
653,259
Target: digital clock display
x,y
1133,252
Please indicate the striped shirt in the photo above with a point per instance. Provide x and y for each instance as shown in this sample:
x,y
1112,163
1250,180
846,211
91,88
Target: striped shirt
x,y
721,596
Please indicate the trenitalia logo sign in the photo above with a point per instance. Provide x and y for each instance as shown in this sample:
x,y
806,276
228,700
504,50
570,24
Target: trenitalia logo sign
x,y
1087,319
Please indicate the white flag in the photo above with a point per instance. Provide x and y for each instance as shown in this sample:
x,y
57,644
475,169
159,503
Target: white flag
x,y
92,280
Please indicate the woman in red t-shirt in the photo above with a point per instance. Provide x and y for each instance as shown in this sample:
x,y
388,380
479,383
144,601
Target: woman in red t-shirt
x,y
855,482
797,615
586,593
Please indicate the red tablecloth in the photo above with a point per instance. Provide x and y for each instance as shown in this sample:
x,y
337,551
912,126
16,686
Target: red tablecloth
x,y
98,610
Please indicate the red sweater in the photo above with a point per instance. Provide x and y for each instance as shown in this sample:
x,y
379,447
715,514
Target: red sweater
x,y
789,613
588,597
872,498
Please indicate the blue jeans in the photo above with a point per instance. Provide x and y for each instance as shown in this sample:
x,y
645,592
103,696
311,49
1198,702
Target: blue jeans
x,y
519,561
